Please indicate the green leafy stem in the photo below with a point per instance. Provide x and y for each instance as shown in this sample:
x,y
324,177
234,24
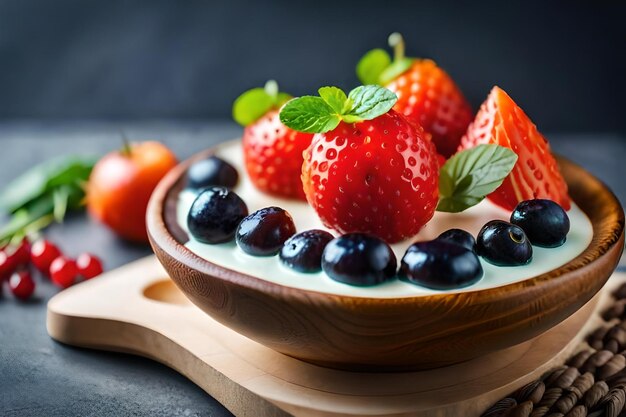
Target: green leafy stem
x,y
42,195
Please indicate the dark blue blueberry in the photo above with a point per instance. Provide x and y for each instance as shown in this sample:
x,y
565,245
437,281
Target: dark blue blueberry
x,y
211,171
503,244
459,237
303,252
359,259
265,231
215,214
440,265
545,222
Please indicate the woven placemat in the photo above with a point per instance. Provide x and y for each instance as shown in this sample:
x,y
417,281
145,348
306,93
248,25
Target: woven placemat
x,y
591,383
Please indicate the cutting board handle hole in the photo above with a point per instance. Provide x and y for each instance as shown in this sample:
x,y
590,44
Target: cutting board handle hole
x,y
165,291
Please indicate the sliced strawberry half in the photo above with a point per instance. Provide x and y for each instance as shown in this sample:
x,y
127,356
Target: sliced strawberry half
x,y
536,173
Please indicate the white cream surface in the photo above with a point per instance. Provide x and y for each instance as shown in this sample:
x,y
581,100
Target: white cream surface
x,y
228,255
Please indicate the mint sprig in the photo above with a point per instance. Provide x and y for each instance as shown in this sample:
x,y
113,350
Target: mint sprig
x,y
470,175
253,104
321,114
376,66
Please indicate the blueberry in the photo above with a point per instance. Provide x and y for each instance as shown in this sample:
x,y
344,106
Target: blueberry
x,y
211,171
215,214
460,237
503,244
265,231
303,252
359,259
440,265
545,222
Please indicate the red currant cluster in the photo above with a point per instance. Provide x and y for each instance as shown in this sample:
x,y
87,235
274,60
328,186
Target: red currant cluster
x,y
46,257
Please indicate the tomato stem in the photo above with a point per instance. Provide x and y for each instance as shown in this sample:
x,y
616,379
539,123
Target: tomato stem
x,y
126,148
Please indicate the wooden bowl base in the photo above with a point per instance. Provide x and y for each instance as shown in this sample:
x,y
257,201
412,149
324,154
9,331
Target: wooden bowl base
x,y
137,309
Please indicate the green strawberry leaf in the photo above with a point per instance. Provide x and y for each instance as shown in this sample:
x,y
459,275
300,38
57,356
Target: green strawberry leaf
x,y
470,175
281,98
377,67
334,97
369,102
253,104
309,114
397,68
372,64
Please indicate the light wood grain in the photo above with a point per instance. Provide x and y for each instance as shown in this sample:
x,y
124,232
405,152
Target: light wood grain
x,y
138,310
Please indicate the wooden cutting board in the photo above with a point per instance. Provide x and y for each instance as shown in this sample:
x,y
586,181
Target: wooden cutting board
x,y
137,309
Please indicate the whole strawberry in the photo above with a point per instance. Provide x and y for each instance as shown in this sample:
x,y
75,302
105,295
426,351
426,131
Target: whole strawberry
x,y
272,151
426,93
536,174
368,168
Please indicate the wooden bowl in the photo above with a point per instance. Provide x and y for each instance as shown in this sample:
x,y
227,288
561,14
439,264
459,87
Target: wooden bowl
x,y
385,334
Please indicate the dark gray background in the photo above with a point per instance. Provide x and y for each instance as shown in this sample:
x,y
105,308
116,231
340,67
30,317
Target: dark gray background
x,y
564,62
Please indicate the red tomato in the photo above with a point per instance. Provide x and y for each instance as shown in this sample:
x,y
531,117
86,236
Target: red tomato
x,y
121,183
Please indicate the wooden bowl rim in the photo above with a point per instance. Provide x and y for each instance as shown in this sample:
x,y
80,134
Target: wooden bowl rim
x,y
163,200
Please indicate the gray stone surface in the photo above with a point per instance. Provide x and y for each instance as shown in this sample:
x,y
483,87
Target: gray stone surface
x,y
39,377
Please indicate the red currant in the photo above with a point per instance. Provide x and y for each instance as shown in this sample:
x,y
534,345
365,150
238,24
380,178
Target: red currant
x,y
89,266
19,254
63,271
22,285
7,266
42,253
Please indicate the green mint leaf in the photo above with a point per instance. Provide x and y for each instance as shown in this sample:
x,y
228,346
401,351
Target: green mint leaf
x,y
372,64
369,102
470,175
252,105
394,70
309,114
334,97
457,204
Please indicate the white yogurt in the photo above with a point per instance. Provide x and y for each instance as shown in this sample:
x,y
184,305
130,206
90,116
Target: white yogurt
x,y
228,255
